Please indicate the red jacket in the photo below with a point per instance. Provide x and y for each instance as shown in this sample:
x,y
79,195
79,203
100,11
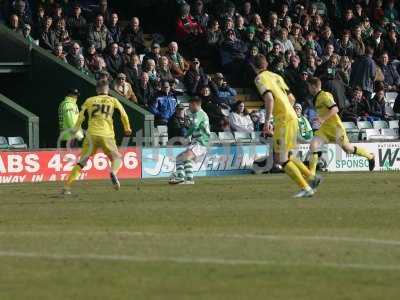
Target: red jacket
x,y
186,26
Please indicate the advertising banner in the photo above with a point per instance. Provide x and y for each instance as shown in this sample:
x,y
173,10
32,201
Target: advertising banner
x,y
55,165
219,160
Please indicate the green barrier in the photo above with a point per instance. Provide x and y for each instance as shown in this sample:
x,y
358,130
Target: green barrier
x,y
31,130
43,86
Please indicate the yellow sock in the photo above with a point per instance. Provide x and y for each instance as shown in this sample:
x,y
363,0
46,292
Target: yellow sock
x,y
76,171
364,153
301,166
313,163
293,172
116,164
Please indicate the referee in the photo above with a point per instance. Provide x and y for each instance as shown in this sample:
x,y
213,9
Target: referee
x,y
68,113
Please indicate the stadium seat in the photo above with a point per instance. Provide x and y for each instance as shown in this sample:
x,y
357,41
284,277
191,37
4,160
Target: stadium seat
x,y
394,124
17,142
380,124
362,126
226,137
373,134
255,136
352,131
390,133
3,143
214,138
242,137
349,125
163,134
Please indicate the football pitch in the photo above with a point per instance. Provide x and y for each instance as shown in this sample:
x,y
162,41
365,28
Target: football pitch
x,y
240,237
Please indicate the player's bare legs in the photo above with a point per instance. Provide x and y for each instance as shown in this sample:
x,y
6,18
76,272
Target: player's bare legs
x,y
184,168
116,164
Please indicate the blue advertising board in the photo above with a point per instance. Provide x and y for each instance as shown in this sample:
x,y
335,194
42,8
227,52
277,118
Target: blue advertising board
x,y
219,160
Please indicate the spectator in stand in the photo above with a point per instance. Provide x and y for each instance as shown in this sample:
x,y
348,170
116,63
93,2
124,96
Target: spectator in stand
x,y
164,70
392,45
359,13
214,34
266,43
91,58
81,66
240,28
228,25
124,88
349,21
145,91
391,13
378,105
391,76
282,38
151,70
376,41
127,53
164,105
240,119
199,15
98,35
296,38
26,32
187,28
363,73
154,54
257,23
61,33
59,53
178,125
250,63
179,66
76,24
275,54
114,28
311,43
99,68
305,133
366,28
292,75
74,54
38,20
247,12
273,24
233,54
344,45
133,71
359,108
195,78
225,94
133,35
377,11
15,24
344,69
114,60
212,107
57,12
327,38
47,37
250,38
358,43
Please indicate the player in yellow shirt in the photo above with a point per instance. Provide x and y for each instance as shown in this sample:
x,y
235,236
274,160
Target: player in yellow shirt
x,y
100,132
331,129
279,106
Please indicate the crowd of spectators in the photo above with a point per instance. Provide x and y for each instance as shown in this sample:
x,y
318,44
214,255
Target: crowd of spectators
x,y
351,45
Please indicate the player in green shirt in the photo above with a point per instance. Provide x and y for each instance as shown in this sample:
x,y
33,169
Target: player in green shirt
x,y
68,113
199,131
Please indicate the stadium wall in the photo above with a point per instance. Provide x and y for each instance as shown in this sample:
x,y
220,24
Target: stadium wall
x,y
54,165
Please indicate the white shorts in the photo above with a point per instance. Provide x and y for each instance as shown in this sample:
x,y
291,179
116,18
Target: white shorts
x,y
198,150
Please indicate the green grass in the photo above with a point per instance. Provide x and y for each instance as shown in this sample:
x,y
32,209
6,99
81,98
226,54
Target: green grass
x,y
224,238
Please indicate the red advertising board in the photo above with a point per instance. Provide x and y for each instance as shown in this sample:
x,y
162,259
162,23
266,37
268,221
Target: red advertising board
x,y
55,165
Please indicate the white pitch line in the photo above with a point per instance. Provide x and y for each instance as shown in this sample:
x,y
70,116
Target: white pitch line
x,y
193,260
210,235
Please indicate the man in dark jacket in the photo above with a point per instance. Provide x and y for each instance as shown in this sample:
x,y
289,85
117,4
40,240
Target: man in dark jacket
x,y
76,24
359,108
392,77
233,53
177,125
98,35
292,75
114,60
133,72
363,73
145,91
133,34
378,105
195,78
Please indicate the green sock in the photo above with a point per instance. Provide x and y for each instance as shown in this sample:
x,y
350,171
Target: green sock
x,y
189,170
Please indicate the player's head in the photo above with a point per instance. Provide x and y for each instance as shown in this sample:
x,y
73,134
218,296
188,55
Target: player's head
x,y
73,93
261,62
102,87
314,85
195,105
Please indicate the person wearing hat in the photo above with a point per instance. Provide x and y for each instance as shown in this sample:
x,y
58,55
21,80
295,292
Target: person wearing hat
x,y
68,113
305,133
127,53
155,53
124,88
